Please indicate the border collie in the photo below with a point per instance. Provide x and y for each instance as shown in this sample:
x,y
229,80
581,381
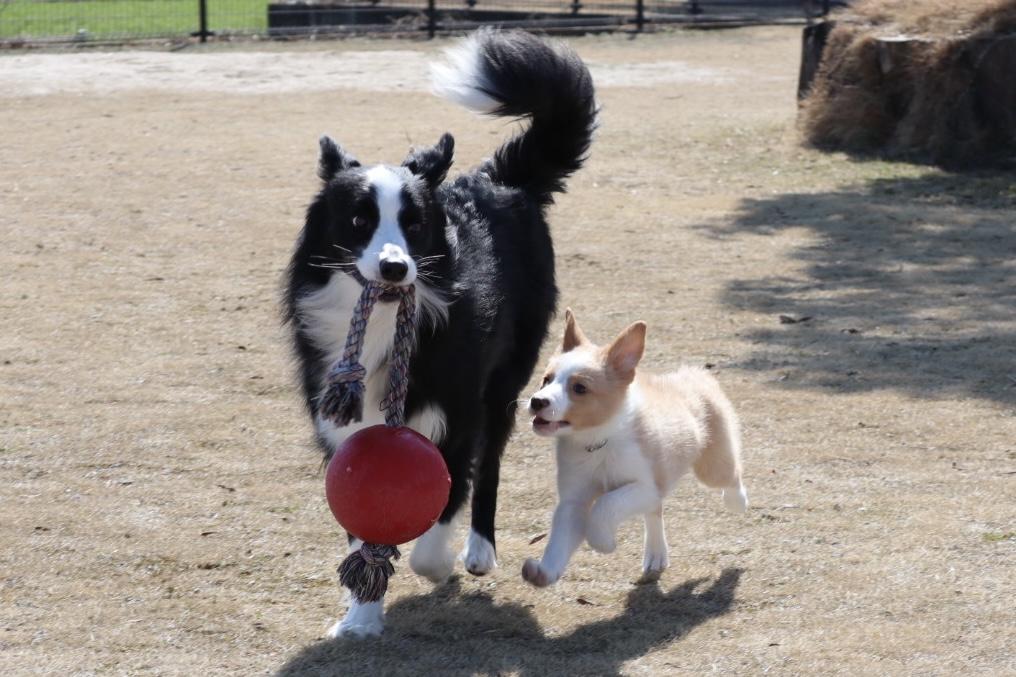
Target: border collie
x,y
479,251
623,442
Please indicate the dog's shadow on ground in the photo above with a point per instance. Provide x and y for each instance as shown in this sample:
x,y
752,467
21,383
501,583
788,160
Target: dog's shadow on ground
x,y
450,633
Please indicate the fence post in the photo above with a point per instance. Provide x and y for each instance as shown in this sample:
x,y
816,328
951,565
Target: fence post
x,y
640,15
431,18
203,20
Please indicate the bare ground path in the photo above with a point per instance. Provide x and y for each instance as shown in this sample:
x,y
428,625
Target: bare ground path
x,y
162,505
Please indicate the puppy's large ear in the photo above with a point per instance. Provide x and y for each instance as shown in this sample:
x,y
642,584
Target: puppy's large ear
x,y
573,336
432,164
333,159
624,353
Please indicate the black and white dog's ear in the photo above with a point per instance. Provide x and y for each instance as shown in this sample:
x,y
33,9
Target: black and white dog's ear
x,y
432,164
333,159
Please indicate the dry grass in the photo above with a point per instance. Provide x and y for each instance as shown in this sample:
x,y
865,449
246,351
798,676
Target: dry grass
x,y
163,507
933,18
943,94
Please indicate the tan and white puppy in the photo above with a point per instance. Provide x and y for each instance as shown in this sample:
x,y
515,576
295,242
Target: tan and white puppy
x,y
623,441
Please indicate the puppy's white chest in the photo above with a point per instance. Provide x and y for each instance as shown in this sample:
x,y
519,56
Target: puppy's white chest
x,y
601,466
622,463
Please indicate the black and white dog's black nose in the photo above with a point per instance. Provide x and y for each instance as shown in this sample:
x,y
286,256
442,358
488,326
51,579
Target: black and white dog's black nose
x,y
394,271
538,403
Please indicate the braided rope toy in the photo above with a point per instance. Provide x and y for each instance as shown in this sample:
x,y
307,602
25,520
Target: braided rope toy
x,y
342,402
366,570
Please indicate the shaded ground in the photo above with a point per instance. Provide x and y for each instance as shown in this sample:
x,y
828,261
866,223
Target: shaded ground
x,y
163,511
911,285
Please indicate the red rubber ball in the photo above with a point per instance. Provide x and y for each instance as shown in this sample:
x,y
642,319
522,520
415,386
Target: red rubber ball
x,y
387,485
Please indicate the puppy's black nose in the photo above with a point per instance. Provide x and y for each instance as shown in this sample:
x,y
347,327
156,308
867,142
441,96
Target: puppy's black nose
x,y
394,271
538,403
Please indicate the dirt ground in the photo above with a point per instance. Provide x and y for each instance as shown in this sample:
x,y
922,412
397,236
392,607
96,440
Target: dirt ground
x,y
162,503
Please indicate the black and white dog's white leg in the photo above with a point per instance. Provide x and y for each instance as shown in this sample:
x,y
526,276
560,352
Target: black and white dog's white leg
x,y
480,553
361,620
432,556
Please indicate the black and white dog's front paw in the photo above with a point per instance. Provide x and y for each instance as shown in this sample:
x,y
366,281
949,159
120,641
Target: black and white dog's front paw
x,y
361,621
479,555
432,556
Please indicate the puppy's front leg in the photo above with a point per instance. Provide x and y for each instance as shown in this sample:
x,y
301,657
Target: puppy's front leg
x,y
566,532
615,507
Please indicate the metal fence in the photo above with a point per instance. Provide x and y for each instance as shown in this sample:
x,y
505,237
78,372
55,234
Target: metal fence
x,y
41,21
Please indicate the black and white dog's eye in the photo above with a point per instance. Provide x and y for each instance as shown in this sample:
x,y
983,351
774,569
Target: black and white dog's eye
x,y
414,228
359,221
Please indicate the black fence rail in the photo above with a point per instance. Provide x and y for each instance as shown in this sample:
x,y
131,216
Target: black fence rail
x,y
41,21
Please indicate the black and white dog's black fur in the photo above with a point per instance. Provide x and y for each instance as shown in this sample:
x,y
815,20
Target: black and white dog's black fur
x,y
478,250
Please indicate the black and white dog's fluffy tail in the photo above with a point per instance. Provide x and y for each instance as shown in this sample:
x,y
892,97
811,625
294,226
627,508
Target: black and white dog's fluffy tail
x,y
518,75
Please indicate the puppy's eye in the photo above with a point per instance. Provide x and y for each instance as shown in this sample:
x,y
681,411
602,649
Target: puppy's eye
x,y
359,221
547,379
414,228
579,389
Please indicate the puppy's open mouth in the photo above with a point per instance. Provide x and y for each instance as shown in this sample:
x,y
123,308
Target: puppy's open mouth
x,y
544,427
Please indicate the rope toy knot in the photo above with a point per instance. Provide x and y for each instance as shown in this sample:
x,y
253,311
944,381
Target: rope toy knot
x,y
343,401
367,570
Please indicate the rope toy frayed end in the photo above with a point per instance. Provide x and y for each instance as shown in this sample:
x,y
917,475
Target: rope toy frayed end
x,y
342,401
366,571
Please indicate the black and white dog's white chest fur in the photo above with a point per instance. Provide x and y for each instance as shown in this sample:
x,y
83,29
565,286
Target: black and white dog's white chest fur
x,y
479,252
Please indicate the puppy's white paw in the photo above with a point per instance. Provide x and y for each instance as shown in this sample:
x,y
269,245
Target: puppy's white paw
x,y
479,555
534,574
736,498
654,564
361,621
600,537
432,558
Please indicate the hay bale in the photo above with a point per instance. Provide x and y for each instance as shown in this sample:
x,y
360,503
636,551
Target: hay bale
x,y
925,81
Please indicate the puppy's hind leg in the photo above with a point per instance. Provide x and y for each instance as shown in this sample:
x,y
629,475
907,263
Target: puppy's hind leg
x,y
655,558
719,465
736,498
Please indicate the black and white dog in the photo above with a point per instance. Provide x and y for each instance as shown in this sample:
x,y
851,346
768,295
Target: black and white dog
x,y
478,250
